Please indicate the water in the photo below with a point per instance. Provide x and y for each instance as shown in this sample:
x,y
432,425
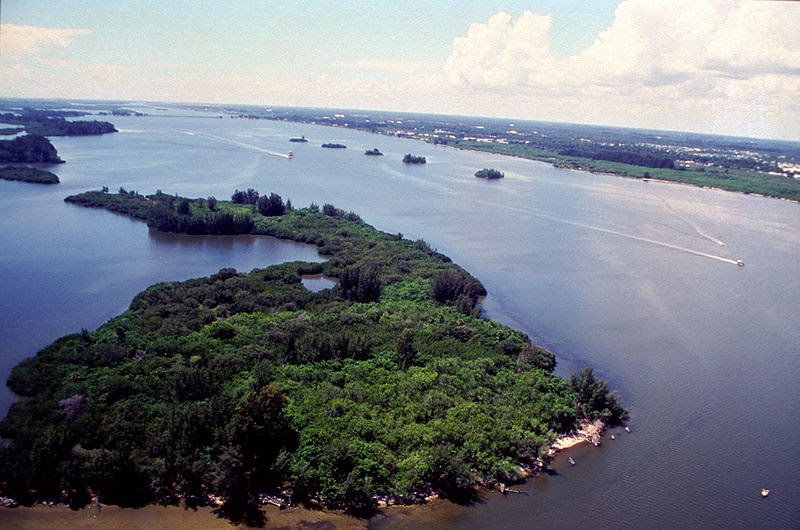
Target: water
x,y
637,279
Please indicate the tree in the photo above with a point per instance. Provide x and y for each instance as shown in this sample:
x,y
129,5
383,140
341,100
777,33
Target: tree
x,y
594,400
271,206
412,159
184,208
360,283
245,197
457,288
406,356
486,173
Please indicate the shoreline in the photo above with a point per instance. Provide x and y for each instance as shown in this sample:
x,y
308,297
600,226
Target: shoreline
x,y
588,432
61,516
553,164
552,161
112,517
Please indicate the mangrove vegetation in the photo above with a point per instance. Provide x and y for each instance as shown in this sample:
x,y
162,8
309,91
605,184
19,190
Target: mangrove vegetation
x,y
28,174
489,174
27,149
240,385
414,159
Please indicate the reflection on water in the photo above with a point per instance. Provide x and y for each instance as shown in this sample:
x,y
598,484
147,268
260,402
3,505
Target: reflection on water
x,y
317,282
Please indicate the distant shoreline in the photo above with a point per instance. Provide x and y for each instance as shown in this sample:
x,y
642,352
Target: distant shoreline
x,y
736,179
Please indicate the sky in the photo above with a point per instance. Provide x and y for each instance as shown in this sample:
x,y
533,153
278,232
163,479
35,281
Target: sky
x,y
713,66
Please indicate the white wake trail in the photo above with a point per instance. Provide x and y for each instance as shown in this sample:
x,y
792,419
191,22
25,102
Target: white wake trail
x,y
238,144
617,233
639,238
694,226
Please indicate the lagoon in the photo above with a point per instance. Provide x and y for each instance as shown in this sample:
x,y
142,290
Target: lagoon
x,y
637,279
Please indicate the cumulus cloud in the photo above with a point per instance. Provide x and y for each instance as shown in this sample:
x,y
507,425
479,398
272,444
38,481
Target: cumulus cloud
x,y
502,52
652,43
20,41
658,57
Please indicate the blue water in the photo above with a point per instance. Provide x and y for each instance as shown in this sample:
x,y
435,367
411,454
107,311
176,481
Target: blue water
x,y
627,276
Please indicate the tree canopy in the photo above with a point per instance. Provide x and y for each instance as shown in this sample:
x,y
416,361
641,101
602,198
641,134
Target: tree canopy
x,y
30,148
237,385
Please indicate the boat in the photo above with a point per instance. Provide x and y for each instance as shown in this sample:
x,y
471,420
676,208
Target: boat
x,y
290,155
627,429
302,139
571,461
764,492
740,263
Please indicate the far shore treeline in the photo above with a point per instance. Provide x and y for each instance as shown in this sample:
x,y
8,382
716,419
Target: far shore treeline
x,y
389,385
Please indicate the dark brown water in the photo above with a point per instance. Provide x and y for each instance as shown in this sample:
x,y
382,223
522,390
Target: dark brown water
x,y
630,277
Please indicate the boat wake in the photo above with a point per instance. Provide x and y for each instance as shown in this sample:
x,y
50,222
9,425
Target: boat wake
x,y
238,144
634,237
643,239
694,226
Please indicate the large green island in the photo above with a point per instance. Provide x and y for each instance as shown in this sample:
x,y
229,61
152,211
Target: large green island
x,y
248,388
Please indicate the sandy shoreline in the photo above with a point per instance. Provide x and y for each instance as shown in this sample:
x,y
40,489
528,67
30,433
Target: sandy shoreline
x,y
587,433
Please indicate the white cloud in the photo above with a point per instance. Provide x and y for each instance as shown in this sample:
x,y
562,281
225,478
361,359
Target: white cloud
x,y
657,58
501,52
19,41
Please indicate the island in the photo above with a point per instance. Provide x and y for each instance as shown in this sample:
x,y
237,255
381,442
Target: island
x,y
373,152
489,174
48,122
334,146
30,148
247,388
412,159
747,165
28,174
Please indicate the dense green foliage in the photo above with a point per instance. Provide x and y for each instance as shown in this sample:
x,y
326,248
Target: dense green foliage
x,y
594,398
373,152
30,148
236,384
486,173
28,174
250,196
633,158
413,159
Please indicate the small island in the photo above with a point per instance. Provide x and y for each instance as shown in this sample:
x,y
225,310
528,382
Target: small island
x,y
489,174
412,159
28,174
334,146
300,139
29,149
54,123
373,152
